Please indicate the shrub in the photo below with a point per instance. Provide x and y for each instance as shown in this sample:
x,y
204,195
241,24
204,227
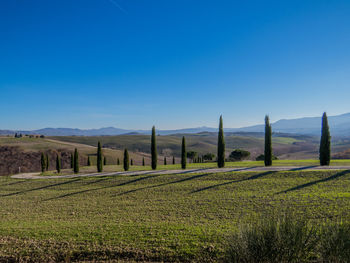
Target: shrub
x,y
239,155
261,157
282,239
335,243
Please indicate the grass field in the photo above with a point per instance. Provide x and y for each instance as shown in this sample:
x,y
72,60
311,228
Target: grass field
x,y
183,217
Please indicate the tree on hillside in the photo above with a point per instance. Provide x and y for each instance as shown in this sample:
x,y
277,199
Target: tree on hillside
x,y
89,161
183,153
173,159
126,160
104,160
191,155
208,156
58,163
325,144
47,162
239,155
154,149
268,142
143,161
164,160
71,161
221,145
99,158
43,162
76,161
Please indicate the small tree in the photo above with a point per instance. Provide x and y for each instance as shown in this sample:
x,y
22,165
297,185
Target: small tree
x,y
99,158
183,153
126,160
173,159
47,162
268,142
131,162
58,163
104,161
221,145
43,162
325,144
118,161
76,161
89,161
154,149
239,155
164,160
71,161
143,161
208,156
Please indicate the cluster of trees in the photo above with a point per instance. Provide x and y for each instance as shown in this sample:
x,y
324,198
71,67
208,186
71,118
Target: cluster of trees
x,y
236,155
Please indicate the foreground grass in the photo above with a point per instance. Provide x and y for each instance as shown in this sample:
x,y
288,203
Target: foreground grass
x,y
183,217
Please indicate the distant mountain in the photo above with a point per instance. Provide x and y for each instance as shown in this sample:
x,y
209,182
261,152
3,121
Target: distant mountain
x,y
339,125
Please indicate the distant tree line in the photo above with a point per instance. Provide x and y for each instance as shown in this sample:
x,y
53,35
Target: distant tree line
x,y
236,155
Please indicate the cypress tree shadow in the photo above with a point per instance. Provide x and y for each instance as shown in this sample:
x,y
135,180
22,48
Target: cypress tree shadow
x,y
103,187
164,184
41,188
299,187
254,177
303,168
13,183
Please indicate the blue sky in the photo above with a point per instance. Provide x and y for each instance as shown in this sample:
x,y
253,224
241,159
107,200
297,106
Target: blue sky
x,y
174,64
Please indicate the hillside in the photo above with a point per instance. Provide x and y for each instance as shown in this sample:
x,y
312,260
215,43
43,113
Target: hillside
x,y
285,146
24,154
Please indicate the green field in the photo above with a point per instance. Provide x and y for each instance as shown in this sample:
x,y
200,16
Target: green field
x,y
183,217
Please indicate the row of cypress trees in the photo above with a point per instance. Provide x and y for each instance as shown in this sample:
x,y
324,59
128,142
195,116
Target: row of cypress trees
x,y
324,151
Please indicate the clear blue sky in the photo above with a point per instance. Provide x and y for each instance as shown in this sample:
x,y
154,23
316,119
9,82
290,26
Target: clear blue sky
x,y
173,64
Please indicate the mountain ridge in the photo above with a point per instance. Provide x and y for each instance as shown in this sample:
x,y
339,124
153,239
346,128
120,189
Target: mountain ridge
x,y
339,126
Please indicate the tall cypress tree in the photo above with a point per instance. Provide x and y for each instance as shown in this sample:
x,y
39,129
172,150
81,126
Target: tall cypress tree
x,y
221,145
89,161
131,162
99,158
76,161
43,162
126,160
118,161
173,159
58,163
143,161
154,149
164,160
325,144
183,153
47,162
71,161
104,160
268,142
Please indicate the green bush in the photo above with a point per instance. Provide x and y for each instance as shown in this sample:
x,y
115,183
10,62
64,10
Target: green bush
x,y
335,243
261,157
274,240
239,155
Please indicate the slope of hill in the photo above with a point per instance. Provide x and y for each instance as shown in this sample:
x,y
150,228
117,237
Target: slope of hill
x,y
23,154
286,146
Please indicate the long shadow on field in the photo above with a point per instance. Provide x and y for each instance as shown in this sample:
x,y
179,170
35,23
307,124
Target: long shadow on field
x,y
17,182
254,177
299,187
103,187
303,168
164,184
41,188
